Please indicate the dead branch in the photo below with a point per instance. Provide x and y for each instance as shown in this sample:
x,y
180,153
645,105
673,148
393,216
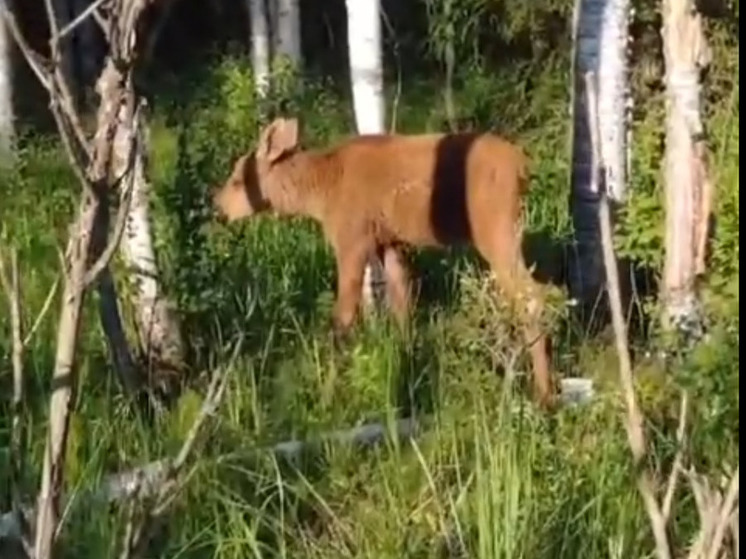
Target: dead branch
x,y
36,62
144,482
60,95
170,484
676,468
85,14
633,418
43,312
63,111
723,518
12,287
716,514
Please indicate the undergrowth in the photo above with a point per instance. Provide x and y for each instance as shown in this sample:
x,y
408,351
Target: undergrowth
x,y
488,477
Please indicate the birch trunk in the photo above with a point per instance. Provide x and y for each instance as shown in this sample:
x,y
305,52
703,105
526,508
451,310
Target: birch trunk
x,y
260,45
366,74
600,37
7,125
158,328
688,187
286,27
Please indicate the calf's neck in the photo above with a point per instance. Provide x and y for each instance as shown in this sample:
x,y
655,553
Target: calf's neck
x,y
373,193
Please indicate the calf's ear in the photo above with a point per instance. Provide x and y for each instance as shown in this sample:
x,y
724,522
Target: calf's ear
x,y
278,138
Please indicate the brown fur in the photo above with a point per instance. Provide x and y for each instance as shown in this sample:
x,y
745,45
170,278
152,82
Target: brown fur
x,y
373,193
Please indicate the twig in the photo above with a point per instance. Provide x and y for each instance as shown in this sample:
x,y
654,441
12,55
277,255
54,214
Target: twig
x,y
43,312
734,520
144,482
33,59
12,288
170,482
724,516
129,532
79,20
673,479
634,420
59,90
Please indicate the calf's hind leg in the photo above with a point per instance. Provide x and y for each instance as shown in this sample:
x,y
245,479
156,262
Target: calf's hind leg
x,y
397,284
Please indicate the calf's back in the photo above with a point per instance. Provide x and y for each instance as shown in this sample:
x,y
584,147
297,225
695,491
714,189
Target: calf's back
x,y
431,189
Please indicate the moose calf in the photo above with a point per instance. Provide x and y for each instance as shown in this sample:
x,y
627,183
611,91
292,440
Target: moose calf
x,y
373,193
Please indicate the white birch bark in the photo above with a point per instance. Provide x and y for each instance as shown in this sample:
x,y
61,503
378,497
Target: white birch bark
x,y
260,45
366,73
158,327
688,187
600,42
7,124
286,26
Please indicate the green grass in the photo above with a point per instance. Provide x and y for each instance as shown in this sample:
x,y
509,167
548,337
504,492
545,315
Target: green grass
x,y
488,477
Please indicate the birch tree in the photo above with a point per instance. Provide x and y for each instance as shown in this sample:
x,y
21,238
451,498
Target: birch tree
x,y
95,162
159,331
7,125
688,186
286,31
366,74
600,36
260,45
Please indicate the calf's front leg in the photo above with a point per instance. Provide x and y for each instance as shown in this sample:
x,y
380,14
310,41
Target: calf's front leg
x,y
351,261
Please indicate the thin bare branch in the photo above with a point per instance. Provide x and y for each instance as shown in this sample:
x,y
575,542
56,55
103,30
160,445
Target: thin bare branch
x,y
103,24
724,516
145,482
43,312
673,479
74,126
54,30
12,287
171,481
734,520
634,420
129,532
89,11
51,79
75,161
33,59
60,93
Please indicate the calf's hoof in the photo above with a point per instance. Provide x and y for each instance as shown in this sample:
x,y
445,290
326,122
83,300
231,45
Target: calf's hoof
x,y
548,401
341,336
